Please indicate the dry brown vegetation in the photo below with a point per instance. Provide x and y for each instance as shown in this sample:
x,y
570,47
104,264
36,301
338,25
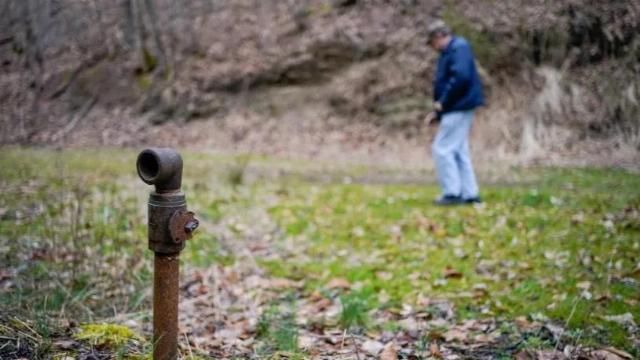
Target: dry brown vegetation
x,y
318,77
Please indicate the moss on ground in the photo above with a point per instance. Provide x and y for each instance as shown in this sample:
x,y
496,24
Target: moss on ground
x,y
111,335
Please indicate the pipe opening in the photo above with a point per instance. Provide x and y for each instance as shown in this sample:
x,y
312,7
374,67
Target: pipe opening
x,y
161,167
148,166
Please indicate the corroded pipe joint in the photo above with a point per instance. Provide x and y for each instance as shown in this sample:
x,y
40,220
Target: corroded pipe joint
x,y
170,224
165,210
161,167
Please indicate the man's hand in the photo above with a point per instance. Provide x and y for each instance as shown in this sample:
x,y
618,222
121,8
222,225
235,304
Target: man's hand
x,y
437,106
431,118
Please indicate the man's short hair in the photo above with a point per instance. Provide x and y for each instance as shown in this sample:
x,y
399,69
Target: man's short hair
x,y
438,28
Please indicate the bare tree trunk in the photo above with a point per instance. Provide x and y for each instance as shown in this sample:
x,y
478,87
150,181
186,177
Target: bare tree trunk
x,y
138,25
173,46
97,13
32,62
33,45
129,28
134,31
155,34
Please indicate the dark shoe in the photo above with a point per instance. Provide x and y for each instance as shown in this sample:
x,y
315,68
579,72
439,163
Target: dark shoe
x,y
449,200
473,200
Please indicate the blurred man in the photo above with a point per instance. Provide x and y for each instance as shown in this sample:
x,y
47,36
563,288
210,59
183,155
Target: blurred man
x,y
457,91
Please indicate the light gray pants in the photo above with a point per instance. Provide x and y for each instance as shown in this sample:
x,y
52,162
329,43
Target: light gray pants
x,y
450,151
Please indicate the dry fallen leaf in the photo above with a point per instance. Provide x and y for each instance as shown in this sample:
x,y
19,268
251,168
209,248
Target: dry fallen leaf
x,y
202,290
456,335
480,290
389,352
436,335
615,354
435,350
524,324
338,283
322,304
524,265
584,285
603,297
524,355
315,296
66,344
409,324
483,339
451,273
228,334
372,347
439,282
306,342
281,283
549,355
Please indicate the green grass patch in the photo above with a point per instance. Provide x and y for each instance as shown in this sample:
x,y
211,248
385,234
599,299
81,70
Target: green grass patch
x,y
563,243
553,247
355,306
277,330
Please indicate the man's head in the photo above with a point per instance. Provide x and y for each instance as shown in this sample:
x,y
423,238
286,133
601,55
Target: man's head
x,y
439,35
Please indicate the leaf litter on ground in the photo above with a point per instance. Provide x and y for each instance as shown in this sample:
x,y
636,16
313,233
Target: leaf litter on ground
x,y
508,278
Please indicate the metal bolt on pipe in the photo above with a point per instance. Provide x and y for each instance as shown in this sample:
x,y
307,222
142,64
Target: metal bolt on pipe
x,y
170,225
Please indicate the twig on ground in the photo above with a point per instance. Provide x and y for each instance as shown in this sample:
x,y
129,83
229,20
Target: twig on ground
x,y
355,346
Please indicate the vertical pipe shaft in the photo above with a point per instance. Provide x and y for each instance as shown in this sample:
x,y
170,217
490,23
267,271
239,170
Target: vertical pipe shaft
x,y
165,306
169,226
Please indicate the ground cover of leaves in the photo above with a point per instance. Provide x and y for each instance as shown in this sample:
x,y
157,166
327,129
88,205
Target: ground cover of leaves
x,y
297,260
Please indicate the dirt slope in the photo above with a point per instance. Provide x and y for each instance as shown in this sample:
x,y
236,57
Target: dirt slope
x,y
333,79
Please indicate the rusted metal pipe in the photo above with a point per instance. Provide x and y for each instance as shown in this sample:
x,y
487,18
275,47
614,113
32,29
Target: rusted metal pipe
x,y
170,225
165,306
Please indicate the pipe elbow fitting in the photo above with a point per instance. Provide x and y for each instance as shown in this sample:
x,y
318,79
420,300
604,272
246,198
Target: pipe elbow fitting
x,y
161,167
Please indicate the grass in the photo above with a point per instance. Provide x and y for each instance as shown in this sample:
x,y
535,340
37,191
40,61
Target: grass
x,y
354,310
562,247
65,228
277,331
561,244
73,241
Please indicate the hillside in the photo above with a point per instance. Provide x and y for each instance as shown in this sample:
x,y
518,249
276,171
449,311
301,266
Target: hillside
x,y
327,79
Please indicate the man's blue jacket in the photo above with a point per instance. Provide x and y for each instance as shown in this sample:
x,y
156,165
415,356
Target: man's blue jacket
x,y
457,84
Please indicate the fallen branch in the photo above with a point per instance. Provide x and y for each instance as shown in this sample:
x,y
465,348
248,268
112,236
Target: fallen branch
x,y
75,119
88,63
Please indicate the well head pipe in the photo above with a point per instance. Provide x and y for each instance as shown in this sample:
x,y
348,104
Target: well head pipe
x,y
161,167
169,226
